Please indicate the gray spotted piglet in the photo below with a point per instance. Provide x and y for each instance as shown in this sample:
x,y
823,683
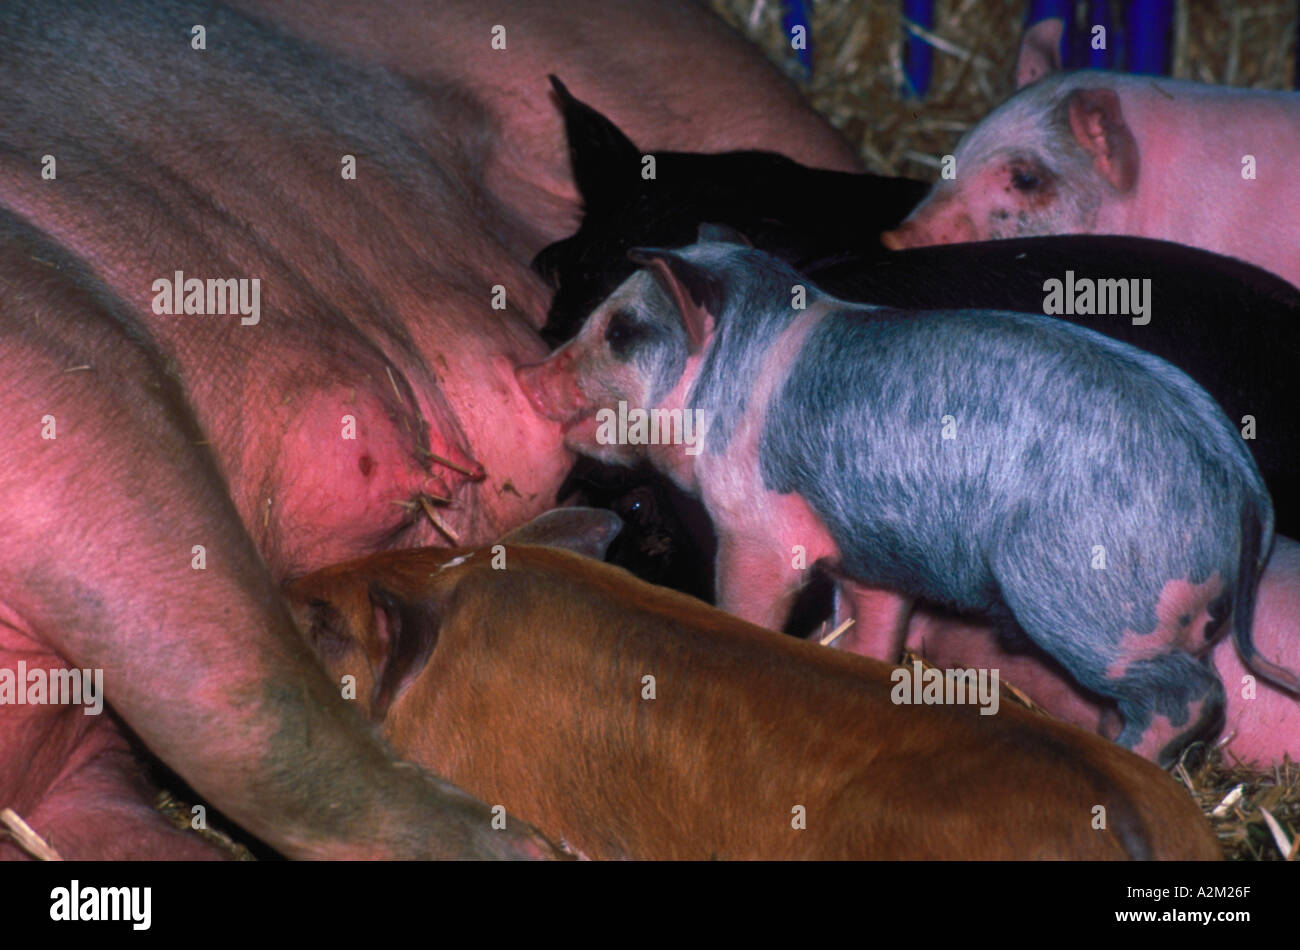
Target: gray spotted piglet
x,y
1069,487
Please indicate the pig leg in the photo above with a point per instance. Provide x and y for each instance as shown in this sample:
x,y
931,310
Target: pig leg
x,y
1263,722
1167,702
1163,702
766,545
756,582
102,811
1165,695
78,784
106,487
880,620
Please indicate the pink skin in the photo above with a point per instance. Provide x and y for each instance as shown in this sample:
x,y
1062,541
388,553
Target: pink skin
x,y
80,786
1179,599
83,789
758,530
881,619
1259,729
580,378
587,43
376,305
1135,156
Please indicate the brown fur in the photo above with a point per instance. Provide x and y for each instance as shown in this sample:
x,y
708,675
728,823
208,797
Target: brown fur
x,y
532,700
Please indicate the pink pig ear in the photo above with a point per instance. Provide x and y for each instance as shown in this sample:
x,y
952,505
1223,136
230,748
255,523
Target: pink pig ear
x,y
1040,51
695,292
1098,125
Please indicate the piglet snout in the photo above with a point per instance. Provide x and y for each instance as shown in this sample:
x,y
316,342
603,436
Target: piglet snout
x,y
552,392
931,227
897,239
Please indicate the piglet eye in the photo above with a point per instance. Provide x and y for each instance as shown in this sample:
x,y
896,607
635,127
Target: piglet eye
x,y
623,333
637,506
1024,180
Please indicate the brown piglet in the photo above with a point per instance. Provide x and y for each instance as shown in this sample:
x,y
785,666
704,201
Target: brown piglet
x,y
631,721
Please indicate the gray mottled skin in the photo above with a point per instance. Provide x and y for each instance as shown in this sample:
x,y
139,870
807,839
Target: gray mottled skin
x,y
661,355
752,308
1065,440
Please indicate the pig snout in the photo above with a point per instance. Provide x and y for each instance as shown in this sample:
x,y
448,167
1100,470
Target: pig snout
x,y
898,239
931,228
552,389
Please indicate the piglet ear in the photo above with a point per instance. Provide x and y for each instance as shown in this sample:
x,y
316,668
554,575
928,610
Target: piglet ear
x,y
721,233
1099,127
1040,51
587,531
695,292
401,642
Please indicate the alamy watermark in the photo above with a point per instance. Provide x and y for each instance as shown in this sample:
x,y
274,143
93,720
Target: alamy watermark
x,y
1083,296
651,427
58,687
185,295
935,687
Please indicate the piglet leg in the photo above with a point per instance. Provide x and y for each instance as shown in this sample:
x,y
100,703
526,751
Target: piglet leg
x,y
756,581
880,620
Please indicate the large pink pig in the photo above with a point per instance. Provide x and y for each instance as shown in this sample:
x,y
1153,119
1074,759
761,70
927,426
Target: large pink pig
x,y
262,300
1106,153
